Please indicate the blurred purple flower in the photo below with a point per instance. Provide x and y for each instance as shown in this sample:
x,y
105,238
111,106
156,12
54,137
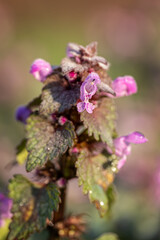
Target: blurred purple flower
x,y
124,86
123,145
5,207
87,90
155,184
22,113
40,69
135,137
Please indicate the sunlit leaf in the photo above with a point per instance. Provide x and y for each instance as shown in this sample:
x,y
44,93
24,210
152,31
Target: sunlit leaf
x,y
4,229
21,152
32,205
45,143
101,123
94,179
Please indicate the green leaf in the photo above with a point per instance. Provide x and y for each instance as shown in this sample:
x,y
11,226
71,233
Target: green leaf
x,y
32,205
57,98
45,143
111,196
108,236
44,235
94,179
101,123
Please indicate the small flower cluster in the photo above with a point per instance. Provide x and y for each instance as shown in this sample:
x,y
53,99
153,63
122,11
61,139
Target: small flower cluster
x,y
5,207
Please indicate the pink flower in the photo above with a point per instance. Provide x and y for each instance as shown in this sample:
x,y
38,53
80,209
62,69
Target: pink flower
x,y
62,120
123,145
71,76
61,182
74,150
124,86
22,113
87,90
89,86
5,208
40,69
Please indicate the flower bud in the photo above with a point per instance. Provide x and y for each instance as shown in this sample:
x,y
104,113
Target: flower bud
x,y
22,113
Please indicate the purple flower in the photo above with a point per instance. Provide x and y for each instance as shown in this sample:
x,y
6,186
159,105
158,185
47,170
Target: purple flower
x,y
22,113
85,105
5,207
40,69
123,145
89,86
136,137
87,90
124,86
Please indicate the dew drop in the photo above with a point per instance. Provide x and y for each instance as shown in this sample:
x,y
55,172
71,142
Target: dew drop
x,y
101,203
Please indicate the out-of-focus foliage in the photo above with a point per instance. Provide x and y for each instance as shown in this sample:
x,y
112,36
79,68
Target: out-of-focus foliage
x,y
108,236
32,206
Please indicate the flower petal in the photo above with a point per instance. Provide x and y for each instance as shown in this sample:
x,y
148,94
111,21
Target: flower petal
x,y
136,137
40,69
124,86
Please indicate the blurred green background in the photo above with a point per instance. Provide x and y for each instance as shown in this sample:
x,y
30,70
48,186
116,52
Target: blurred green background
x,y
128,35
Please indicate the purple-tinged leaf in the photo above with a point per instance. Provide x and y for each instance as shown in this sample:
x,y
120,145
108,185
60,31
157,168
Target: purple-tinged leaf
x,y
32,206
45,143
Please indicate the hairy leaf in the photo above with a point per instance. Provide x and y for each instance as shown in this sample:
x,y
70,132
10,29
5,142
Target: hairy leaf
x,y
101,123
68,65
94,179
57,98
32,205
45,143
108,236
